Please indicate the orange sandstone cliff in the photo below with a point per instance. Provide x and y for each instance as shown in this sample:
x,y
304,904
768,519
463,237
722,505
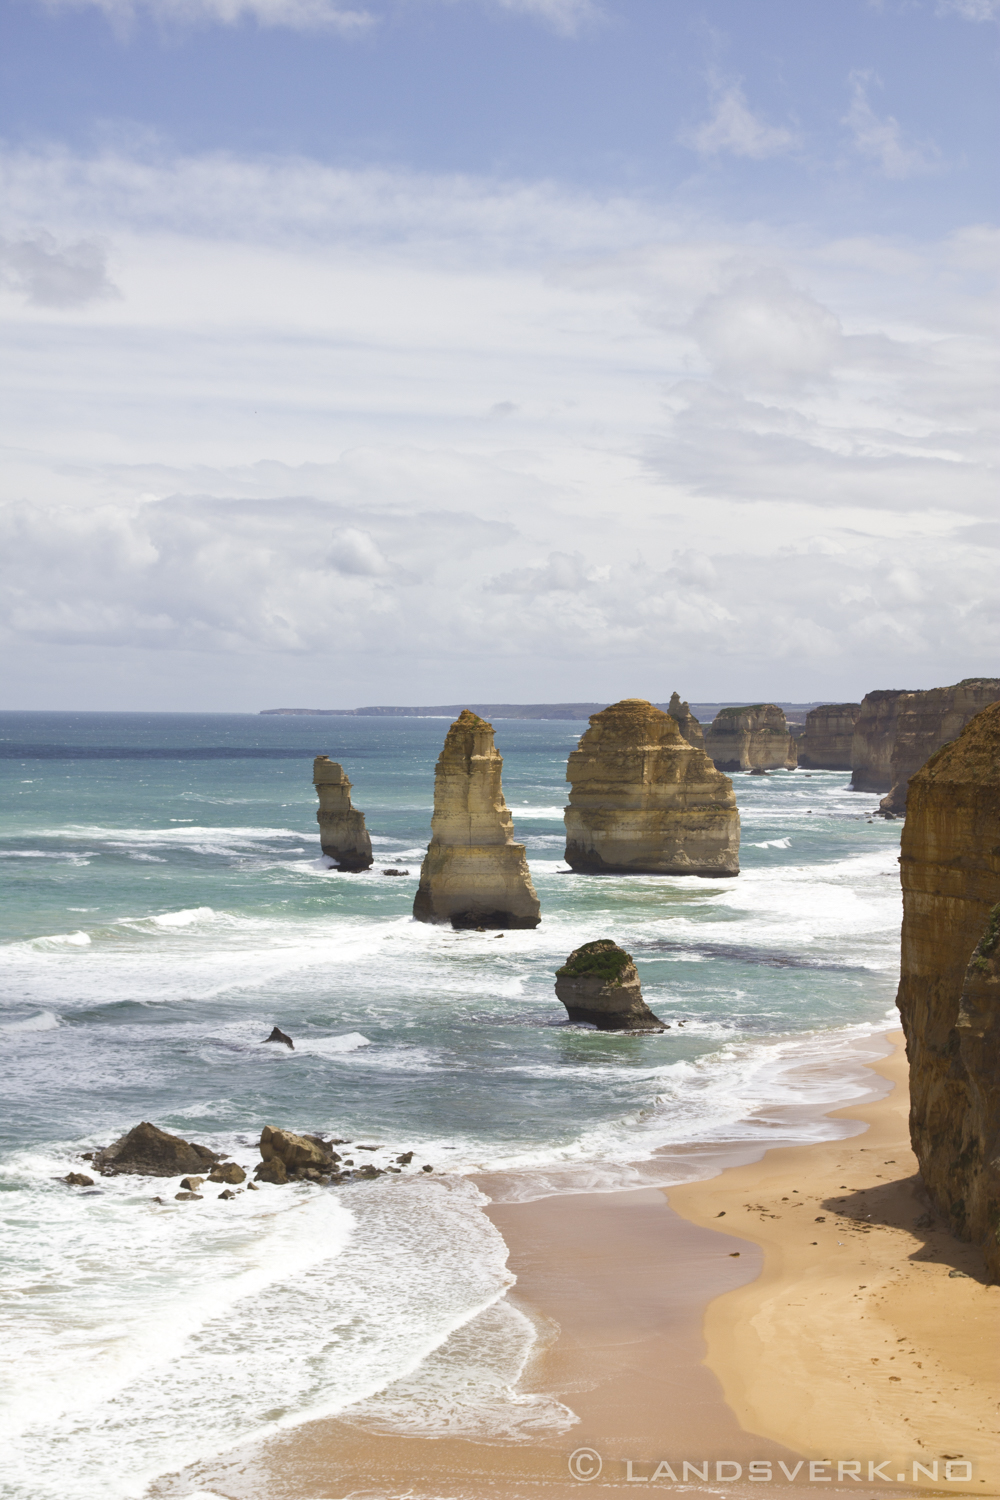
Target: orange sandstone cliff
x,y
754,738
926,721
949,992
829,734
342,833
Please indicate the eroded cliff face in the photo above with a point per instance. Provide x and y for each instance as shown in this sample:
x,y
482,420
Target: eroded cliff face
x,y
949,990
829,736
873,739
342,833
644,801
688,725
926,721
754,738
473,874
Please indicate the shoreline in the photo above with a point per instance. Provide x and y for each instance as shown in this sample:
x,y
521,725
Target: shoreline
x,y
673,1337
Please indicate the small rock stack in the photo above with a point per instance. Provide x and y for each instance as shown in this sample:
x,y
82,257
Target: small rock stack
x,y
599,985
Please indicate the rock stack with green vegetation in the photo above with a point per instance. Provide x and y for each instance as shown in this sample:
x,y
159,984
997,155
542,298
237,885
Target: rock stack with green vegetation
x,y
599,986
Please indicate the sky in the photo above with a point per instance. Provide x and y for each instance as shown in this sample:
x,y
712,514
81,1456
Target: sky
x,y
418,351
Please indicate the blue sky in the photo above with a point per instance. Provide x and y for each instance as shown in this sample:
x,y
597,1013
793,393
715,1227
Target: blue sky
x,y
421,349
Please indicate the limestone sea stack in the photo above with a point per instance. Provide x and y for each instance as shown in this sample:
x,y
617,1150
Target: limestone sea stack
x,y
342,833
473,875
873,739
949,992
643,801
599,985
753,738
926,721
686,722
827,742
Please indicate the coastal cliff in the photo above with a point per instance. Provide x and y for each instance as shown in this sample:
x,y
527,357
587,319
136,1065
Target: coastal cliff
x,y
873,739
686,722
828,740
473,874
644,801
926,721
342,833
949,992
753,738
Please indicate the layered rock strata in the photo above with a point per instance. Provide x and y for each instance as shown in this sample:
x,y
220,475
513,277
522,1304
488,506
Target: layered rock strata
x,y
644,801
873,739
686,722
147,1151
949,992
473,875
342,833
926,721
828,741
599,985
754,738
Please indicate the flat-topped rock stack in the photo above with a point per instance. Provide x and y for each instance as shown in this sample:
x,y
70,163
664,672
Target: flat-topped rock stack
x,y
828,740
949,992
686,722
751,738
342,833
873,739
926,721
473,875
644,801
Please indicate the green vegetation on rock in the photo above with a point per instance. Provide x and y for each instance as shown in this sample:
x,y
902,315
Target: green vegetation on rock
x,y
988,942
603,959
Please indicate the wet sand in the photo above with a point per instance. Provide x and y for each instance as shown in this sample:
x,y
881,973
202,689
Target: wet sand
x,y
724,1327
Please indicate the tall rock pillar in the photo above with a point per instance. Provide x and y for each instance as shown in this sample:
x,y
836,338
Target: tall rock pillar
x,y
643,801
473,874
342,832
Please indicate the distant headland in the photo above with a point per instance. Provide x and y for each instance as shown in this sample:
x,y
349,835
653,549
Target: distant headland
x,y
794,712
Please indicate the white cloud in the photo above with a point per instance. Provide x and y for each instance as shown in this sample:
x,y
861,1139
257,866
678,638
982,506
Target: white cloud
x,y
296,15
566,16
971,10
51,275
882,140
734,127
422,437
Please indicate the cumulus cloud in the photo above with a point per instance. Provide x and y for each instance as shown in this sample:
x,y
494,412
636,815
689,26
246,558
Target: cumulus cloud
x,y
735,128
51,275
881,138
551,442
296,15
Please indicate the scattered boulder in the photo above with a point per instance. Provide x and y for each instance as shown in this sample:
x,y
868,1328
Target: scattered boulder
x,y
191,1184
599,985
147,1151
280,1036
342,833
295,1150
395,872
186,1197
226,1194
405,1159
474,875
78,1179
227,1171
271,1171
645,801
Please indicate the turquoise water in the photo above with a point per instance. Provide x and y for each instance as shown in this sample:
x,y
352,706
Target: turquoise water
x,y
167,905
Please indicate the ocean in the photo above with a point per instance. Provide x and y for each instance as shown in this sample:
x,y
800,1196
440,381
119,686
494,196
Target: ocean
x,y
167,904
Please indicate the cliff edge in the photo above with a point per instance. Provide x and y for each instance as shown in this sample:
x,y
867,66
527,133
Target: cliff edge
x,y
926,721
827,742
949,992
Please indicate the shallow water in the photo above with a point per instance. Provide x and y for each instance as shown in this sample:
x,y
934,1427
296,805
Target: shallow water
x,y
167,906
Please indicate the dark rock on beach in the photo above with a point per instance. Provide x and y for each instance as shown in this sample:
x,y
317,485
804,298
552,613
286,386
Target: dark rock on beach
x,y
227,1171
279,1036
147,1151
78,1179
599,985
189,1197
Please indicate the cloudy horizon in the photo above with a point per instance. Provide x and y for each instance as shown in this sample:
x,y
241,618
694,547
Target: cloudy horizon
x,y
525,352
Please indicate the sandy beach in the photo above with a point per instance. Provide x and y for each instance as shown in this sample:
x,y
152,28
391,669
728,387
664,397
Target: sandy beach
x,y
798,1313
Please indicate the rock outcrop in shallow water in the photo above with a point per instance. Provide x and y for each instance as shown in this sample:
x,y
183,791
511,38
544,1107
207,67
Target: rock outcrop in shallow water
x,y
926,721
873,739
147,1151
473,875
643,801
599,985
688,725
828,740
342,833
754,738
949,992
